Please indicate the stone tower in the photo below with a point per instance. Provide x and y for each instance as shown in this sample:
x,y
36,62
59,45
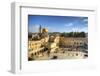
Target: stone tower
x,y
40,29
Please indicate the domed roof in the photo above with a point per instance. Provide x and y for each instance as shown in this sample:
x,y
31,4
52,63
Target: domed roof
x,y
44,30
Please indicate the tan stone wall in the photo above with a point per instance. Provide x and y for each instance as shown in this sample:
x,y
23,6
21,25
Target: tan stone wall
x,y
72,41
32,45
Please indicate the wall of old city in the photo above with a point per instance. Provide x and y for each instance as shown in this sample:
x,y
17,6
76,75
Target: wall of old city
x,y
70,41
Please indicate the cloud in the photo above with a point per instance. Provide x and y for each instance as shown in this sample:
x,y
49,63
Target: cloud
x,y
69,24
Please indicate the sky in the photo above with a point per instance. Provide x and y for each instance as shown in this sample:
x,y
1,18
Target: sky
x,y
58,23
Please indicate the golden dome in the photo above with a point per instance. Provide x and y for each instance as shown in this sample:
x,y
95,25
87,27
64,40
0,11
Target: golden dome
x,y
44,30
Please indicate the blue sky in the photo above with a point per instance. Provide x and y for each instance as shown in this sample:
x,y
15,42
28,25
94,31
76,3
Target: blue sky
x,y
57,23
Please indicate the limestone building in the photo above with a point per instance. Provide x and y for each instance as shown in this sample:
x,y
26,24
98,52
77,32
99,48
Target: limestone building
x,y
63,47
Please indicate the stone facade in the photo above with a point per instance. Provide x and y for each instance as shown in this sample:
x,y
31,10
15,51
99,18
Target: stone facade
x,y
44,46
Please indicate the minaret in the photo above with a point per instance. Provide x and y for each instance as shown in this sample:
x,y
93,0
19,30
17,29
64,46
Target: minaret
x,y
40,29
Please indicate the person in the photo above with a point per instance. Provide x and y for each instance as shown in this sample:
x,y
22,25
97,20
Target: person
x,y
48,52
